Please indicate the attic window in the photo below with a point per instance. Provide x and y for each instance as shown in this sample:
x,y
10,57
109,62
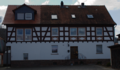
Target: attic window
x,y
73,15
28,16
53,16
20,16
90,16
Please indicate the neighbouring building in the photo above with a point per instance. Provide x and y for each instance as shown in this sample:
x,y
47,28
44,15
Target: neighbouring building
x,y
115,54
58,34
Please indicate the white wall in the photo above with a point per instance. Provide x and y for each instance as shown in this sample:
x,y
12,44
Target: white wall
x,y
43,51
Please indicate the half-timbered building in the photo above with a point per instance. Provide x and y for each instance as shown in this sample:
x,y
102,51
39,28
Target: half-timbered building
x,y
57,34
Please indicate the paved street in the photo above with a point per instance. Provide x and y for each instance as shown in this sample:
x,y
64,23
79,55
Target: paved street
x,y
76,67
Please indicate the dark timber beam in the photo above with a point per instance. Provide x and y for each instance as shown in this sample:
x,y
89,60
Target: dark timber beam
x,y
108,33
45,33
36,34
11,33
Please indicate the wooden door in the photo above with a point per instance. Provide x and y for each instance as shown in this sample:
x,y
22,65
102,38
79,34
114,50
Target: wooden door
x,y
74,52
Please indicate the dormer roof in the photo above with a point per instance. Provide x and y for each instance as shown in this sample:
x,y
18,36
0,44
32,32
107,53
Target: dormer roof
x,y
18,7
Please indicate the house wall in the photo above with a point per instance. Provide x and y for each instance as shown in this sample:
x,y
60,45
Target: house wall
x,y
43,51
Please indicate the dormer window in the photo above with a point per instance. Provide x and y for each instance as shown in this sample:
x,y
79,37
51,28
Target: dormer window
x,y
20,16
28,16
53,16
90,16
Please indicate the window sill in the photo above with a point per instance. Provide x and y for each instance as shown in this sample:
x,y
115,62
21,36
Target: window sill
x,y
99,53
54,53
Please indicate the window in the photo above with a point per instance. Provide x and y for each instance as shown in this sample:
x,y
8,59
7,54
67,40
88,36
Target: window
x,y
90,16
54,31
20,16
73,31
28,16
25,56
99,49
28,34
19,34
54,49
73,15
99,31
53,16
81,31
24,34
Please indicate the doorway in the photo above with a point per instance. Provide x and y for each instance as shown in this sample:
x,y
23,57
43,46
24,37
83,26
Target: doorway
x,y
74,52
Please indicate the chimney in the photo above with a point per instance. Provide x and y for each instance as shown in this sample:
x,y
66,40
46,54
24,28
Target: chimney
x,y
62,4
118,38
82,5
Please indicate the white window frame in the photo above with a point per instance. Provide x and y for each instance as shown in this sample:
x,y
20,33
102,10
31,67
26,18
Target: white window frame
x,y
20,16
90,16
54,17
52,49
28,14
83,29
97,49
57,31
19,35
28,34
76,31
97,30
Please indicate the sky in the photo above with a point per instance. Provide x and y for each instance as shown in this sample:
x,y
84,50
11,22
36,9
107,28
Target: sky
x,y
113,6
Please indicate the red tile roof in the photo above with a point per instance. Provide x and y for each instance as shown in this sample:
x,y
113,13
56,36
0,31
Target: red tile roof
x,y
44,12
10,18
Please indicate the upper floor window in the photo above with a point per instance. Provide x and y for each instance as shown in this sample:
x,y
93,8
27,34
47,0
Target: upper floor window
x,y
20,16
24,34
19,35
99,31
73,31
81,31
54,31
28,34
28,16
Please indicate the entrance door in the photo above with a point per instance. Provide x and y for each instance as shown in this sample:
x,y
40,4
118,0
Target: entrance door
x,y
74,52
0,59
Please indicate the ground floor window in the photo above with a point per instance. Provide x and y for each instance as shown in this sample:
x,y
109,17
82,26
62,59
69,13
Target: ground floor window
x,y
54,48
25,56
99,49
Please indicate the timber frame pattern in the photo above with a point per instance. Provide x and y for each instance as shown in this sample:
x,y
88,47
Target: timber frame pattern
x,y
41,38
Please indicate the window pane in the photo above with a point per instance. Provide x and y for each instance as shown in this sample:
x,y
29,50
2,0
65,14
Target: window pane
x,y
20,16
54,31
99,48
54,48
28,16
81,31
19,34
19,31
19,38
73,31
25,55
28,31
28,36
99,31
